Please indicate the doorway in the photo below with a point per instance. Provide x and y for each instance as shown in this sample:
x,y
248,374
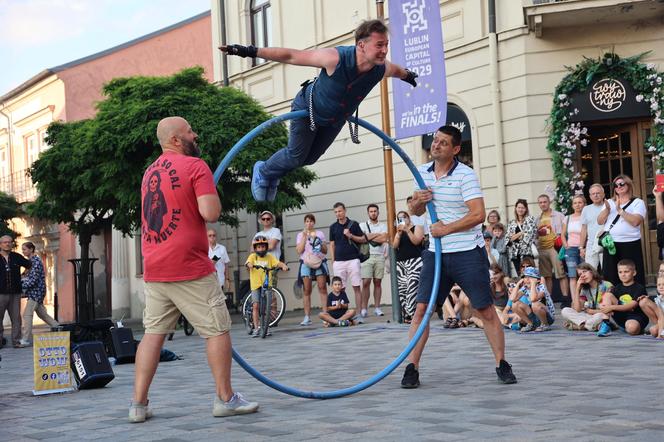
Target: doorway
x,y
615,149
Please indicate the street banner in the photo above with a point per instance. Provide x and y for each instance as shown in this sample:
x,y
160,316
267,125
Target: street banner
x,y
417,44
51,361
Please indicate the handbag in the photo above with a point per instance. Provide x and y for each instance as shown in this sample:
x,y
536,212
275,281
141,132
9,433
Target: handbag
x,y
363,248
312,260
562,253
601,241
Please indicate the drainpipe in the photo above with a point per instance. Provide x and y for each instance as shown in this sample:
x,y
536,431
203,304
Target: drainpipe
x,y
10,150
222,32
497,112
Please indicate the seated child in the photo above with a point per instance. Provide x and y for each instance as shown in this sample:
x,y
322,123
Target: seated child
x,y
587,300
259,257
658,330
337,312
624,308
534,305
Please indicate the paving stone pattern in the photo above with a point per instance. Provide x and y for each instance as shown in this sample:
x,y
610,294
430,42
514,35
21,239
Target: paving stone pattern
x,y
571,386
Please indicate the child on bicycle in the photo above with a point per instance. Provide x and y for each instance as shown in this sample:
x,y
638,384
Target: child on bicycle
x,y
337,312
261,258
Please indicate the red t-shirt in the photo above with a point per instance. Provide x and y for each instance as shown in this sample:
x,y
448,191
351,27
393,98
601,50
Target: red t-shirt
x,y
173,233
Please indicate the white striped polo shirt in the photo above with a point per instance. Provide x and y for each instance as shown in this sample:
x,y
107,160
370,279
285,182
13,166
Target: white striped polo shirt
x,y
450,194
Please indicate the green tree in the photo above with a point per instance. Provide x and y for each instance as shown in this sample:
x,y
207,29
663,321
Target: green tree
x,y
9,209
90,177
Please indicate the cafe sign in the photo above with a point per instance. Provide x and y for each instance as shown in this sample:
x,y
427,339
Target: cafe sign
x,y
607,95
607,99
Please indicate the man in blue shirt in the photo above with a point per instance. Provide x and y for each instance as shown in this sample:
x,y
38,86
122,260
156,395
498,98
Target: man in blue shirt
x,y
457,197
347,75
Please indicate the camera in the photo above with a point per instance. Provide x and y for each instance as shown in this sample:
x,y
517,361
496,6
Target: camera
x,y
401,221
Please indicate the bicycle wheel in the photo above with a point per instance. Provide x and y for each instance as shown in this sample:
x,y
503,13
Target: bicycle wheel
x,y
247,313
266,302
278,307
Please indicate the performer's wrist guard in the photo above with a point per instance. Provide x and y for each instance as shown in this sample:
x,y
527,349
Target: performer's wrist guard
x,y
410,78
242,51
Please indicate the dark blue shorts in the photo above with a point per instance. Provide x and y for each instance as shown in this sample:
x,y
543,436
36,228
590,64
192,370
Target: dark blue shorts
x,y
469,269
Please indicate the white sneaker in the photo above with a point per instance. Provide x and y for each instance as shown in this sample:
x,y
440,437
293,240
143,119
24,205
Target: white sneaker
x,y
364,313
256,333
378,312
24,343
306,321
139,412
359,319
236,405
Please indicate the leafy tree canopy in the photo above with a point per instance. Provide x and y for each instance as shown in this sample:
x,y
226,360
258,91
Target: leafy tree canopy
x,y
92,173
9,209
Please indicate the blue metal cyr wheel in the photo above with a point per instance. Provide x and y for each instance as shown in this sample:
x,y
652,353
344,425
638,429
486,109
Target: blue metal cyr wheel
x,y
241,144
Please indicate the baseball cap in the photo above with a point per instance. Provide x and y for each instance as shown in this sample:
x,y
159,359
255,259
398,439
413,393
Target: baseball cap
x,y
531,272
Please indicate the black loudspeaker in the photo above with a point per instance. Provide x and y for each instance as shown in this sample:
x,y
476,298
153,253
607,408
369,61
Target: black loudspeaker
x,y
124,348
91,366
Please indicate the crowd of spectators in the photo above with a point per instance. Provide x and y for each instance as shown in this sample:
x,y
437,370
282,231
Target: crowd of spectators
x,y
601,281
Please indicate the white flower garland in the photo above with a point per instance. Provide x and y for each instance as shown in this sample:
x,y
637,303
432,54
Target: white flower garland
x,y
573,135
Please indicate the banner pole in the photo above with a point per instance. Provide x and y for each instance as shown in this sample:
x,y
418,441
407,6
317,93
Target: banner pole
x,y
389,184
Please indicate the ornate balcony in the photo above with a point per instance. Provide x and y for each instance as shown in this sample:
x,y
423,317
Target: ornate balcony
x,y
19,184
549,14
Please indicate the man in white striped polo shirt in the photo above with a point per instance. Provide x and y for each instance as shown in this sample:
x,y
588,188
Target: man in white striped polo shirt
x,y
456,194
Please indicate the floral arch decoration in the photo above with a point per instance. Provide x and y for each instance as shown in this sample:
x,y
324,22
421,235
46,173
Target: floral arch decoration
x,y
566,136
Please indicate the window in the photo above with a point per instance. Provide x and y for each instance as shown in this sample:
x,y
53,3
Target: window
x,y
31,148
261,26
5,181
42,140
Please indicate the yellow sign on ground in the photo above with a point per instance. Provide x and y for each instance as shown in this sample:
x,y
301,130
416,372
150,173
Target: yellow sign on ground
x,y
51,360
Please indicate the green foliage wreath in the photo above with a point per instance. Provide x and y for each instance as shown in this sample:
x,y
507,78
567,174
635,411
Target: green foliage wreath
x,y
565,137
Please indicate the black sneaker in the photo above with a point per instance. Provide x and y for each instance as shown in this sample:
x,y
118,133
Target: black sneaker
x,y
504,372
411,378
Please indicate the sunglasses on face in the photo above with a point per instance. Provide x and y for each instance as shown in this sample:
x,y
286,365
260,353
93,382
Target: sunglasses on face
x,y
620,184
266,219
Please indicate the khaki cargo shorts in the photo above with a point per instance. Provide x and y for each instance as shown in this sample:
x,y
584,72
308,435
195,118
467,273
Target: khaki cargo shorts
x,y
373,268
201,301
550,265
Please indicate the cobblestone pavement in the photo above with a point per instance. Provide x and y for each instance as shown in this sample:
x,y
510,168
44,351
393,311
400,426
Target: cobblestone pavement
x,y
571,385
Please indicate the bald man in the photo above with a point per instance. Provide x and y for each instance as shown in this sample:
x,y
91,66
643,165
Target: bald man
x,y
10,288
178,197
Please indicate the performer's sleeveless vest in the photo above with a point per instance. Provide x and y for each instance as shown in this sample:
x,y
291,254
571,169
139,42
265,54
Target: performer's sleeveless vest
x,y
336,97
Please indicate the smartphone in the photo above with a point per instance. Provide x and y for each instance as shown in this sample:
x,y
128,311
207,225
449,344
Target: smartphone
x,y
659,182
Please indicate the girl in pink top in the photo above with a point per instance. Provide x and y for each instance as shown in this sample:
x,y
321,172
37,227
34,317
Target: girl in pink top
x,y
311,243
572,240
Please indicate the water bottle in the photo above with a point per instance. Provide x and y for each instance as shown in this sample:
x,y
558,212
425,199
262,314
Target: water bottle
x,y
111,360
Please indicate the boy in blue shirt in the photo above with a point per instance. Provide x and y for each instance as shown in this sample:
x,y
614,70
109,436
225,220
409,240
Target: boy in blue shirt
x,y
534,306
337,312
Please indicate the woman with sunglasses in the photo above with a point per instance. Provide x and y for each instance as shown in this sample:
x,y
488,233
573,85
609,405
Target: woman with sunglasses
x,y
520,235
622,217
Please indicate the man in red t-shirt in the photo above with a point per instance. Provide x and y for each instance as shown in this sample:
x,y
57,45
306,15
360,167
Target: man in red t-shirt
x,y
178,197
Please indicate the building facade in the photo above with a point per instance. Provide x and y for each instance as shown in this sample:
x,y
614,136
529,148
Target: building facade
x,y
501,83
69,93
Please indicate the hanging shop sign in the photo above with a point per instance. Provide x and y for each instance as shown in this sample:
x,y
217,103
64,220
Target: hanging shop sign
x,y
607,99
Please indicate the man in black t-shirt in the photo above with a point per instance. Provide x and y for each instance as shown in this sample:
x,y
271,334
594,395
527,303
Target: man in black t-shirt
x,y
345,235
10,288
